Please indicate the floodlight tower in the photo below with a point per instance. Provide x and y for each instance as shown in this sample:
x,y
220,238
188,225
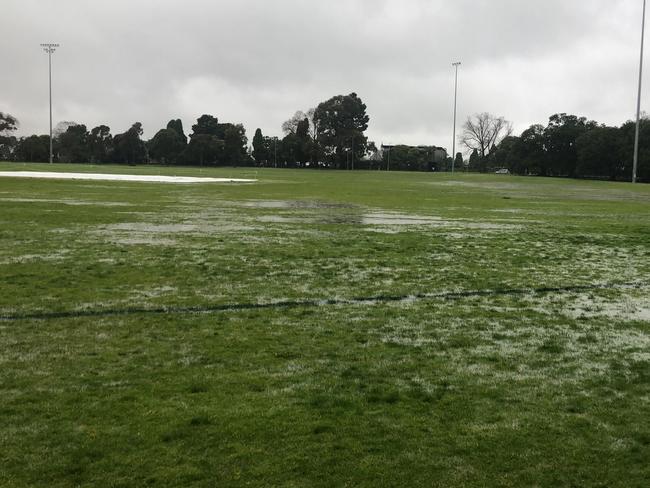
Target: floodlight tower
x,y
638,106
453,144
50,49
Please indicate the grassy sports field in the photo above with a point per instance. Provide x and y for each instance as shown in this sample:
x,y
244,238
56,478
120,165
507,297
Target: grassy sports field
x,y
321,329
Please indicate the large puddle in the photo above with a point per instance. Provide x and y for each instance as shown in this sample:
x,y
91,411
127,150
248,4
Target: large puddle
x,y
395,218
255,218
290,204
379,219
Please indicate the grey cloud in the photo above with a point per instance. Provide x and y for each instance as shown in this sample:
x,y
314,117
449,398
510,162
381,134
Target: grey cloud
x,y
258,61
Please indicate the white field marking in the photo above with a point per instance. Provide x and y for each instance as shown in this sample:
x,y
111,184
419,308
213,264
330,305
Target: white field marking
x,y
114,177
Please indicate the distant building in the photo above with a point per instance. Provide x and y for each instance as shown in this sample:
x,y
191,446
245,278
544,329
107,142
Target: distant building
x,y
439,153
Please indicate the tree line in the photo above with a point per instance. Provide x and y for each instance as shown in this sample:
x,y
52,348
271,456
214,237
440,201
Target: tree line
x,y
567,146
330,135
210,143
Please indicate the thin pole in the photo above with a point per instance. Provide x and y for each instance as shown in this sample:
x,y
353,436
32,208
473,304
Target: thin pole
x,y
49,49
453,144
275,151
352,153
49,55
638,106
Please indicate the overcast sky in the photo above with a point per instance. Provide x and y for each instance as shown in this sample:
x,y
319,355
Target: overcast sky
x,y
258,61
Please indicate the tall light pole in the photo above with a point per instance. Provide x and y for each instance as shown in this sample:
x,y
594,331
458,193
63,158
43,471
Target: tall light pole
x,y
453,144
638,106
49,49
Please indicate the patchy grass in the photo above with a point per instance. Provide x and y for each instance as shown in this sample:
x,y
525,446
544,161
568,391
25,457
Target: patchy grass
x,y
366,364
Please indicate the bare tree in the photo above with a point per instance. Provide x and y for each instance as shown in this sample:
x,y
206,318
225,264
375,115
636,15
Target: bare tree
x,y
291,125
62,127
484,131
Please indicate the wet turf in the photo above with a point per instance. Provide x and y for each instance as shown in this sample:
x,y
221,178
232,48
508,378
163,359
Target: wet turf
x,y
324,329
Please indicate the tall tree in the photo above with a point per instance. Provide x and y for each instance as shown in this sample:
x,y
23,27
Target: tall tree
x,y
73,145
166,146
235,143
177,125
100,143
304,141
341,123
206,124
205,146
561,134
260,148
129,147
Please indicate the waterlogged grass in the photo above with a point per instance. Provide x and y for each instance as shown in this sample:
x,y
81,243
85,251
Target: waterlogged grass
x,y
412,330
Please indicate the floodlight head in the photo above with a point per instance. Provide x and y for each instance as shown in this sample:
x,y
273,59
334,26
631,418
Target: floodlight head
x,y
49,47
457,63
